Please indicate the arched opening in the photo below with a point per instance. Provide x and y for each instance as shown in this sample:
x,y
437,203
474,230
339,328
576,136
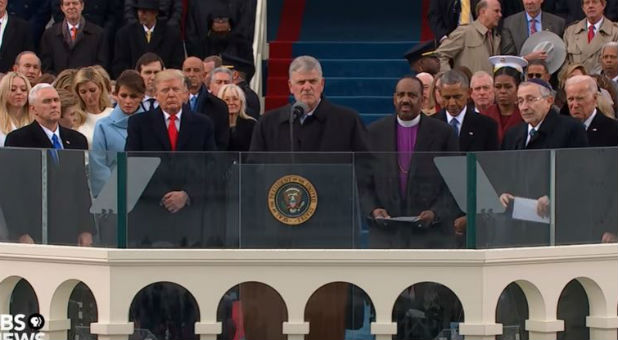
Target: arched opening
x,y
24,301
512,313
82,311
573,308
252,311
427,310
339,310
164,310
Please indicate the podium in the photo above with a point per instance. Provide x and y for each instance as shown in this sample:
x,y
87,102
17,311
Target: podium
x,y
297,205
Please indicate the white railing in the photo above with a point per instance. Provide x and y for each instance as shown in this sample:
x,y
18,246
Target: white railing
x,y
476,277
260,48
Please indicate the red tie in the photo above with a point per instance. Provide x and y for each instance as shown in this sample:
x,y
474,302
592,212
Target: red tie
x,y
590,33
172,132
73,33
532,26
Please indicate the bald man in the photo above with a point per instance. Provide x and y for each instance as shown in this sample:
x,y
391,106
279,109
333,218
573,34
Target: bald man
x,y
202,101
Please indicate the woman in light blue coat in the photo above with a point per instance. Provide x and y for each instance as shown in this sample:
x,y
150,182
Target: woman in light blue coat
x,y
110,133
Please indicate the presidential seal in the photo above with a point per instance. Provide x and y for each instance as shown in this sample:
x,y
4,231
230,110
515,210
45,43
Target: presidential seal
x,y
292,200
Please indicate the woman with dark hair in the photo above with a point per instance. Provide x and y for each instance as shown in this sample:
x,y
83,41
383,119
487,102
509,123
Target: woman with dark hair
x,y
505,111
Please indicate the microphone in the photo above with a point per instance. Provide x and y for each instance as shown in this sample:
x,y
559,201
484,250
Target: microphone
x,y
297,110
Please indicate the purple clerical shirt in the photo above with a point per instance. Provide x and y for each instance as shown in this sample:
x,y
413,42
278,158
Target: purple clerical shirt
x,y
406,139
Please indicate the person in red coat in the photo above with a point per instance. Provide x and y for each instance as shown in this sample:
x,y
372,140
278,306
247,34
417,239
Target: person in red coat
x,y
507,78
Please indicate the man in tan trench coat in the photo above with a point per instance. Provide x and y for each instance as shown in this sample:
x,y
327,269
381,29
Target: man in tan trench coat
x,y
585,39
472,45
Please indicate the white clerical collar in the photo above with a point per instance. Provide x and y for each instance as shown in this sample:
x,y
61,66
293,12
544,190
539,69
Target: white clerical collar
x,y
460,117
409,123
589,120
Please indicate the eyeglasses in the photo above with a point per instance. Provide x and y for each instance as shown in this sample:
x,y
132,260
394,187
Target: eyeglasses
x,y
529,100
535,75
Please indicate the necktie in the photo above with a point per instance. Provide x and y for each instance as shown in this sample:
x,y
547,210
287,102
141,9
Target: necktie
x,y
455,125
302,118
151,104
148,35
193,103
490,39
172,132
532,26
464,17
532,134
590,33
57,146
73,33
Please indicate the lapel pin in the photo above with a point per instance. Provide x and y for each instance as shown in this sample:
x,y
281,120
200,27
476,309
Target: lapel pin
x,y
594,129
66,141
471,133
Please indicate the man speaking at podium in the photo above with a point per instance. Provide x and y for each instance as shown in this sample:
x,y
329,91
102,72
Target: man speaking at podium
x,y
319,126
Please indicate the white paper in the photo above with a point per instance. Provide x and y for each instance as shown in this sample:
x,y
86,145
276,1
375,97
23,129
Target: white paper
x,y
401,219
525,209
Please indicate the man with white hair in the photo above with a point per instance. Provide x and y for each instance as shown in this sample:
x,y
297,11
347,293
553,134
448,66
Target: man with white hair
x,y
69,221
482,91
581,95
322,127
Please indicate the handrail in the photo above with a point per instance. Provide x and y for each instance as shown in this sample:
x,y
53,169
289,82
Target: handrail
x,y
259,46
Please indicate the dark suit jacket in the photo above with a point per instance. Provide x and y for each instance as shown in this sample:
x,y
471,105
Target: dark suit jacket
x,y
556,131
240,136
150,223
477,133
90,48
515,30
17,38
216,110
425,188
131,44
254,108
603,131
331,128
68,193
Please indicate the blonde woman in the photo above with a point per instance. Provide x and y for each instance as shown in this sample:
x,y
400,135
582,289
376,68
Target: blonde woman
x,y
241,124
92,90
14,89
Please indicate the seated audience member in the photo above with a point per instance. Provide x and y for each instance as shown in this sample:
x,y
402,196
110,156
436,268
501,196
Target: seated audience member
x,y
429,107
28,64
584,38
242,72
69,221
70,117
581,94
219,77
537,68
607,101
14,89
110,132
201,101
94,101
217,37
211,63
475,132
507,77
241,124
73,42
16,38
147,35
170,12
148,66
64,80
567,72
482,91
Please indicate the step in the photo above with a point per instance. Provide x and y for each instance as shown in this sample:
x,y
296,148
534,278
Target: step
x,y
369,118
365,103
278,67
335,86
341,49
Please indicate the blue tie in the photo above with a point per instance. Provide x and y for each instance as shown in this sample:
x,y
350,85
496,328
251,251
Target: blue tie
x,y
57,146
455,125
193,102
